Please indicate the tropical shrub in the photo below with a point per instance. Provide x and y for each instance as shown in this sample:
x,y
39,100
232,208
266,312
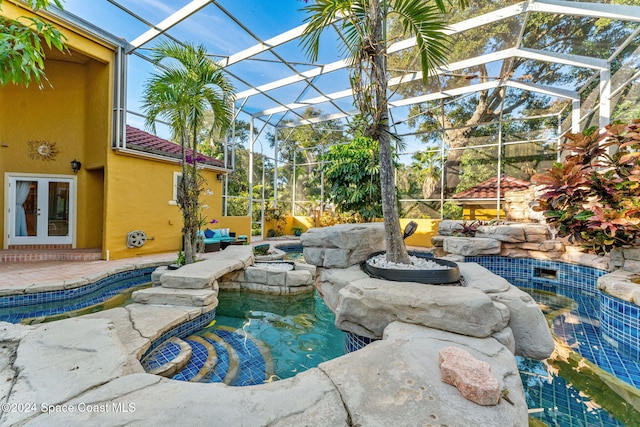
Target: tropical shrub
x,y
592,197
352,172
327,219
278,218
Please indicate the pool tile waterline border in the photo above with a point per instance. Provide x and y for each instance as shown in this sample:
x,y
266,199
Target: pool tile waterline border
x,y
532,273
24,299
37,306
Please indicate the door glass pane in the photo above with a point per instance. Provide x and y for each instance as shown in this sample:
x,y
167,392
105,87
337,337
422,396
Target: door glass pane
x,y
58,220
26,208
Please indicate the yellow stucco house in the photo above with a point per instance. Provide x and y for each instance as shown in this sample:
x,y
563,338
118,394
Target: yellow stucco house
x,y
70,178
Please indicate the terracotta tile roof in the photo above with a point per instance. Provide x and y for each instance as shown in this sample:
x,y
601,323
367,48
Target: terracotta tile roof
x,y
487,189
143,141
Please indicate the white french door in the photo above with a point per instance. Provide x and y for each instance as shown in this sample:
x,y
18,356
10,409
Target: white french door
x,y
41,210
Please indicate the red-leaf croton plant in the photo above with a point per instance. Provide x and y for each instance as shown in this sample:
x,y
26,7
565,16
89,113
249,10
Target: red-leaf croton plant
x,y
593,197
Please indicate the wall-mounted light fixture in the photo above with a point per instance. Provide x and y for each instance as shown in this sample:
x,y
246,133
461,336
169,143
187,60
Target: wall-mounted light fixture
x,y
75,165
219,177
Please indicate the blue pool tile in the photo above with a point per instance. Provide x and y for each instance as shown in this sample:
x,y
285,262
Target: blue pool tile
x,y
198,358
580,284
252,367
163,355
220,371
18,307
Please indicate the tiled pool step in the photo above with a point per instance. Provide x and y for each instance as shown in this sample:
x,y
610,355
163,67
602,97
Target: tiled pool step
x,y
225,355
169,358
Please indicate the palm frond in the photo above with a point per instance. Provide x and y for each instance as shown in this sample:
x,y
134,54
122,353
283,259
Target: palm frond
x,y
320,14
427,23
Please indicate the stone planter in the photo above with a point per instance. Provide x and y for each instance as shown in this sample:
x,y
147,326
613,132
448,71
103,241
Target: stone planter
x,y
262,264
431,276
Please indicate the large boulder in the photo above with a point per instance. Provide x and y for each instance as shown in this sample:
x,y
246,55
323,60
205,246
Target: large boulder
x,y
515,232
343,245
449,227
57,361
471,246
366,306
620,284
504,233
530,329
309,398
330,281
396,381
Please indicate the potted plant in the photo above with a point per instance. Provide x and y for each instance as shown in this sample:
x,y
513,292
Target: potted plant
x,y
423,269
296,230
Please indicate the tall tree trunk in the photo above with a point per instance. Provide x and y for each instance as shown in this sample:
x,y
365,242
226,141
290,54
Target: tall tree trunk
x,y
396,250
185,205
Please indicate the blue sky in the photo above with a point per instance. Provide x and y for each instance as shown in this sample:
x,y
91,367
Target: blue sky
x,y
222,36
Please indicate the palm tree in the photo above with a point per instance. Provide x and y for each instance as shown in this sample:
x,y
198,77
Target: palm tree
x,y
363,32
188,84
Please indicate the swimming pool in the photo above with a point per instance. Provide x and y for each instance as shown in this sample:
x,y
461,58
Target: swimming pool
x,y
567,390
299,330
105,293
258,338
561,391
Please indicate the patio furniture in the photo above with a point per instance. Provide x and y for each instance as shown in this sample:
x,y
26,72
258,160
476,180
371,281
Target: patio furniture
x,y
216,239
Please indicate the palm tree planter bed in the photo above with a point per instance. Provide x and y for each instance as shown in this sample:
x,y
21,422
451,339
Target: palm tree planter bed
x,y
449,274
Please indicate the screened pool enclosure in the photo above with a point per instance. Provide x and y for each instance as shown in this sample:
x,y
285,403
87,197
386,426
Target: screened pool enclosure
x,y
519,75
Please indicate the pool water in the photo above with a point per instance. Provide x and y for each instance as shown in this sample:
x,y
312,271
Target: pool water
x,y
581,384
585,382
299,330
568,388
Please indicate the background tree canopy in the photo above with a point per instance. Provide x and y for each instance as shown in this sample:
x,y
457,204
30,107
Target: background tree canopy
x,y
352,172
463,118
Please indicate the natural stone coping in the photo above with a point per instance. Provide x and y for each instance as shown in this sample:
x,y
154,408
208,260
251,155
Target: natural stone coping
x,y
179,297
389,382
109,270
139,325
204,274
620,284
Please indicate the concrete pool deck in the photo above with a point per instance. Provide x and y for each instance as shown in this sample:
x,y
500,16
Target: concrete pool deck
x,y
23,275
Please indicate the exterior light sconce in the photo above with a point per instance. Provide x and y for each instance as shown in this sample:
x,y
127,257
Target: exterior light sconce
x,y
75,165
219,177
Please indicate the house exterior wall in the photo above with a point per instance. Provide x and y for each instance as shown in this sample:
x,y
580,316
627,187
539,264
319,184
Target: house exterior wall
x,y
116,192
140,197
74,111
